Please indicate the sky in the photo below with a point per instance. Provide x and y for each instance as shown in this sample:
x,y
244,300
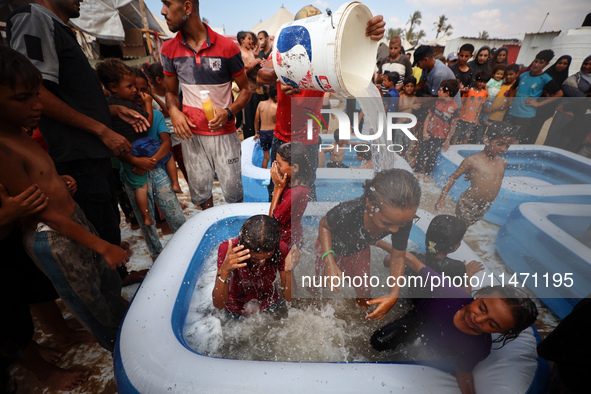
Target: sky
x,y
500,18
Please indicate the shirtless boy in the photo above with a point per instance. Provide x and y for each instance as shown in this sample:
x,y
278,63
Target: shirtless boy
x,y
266,115
485,171
61,238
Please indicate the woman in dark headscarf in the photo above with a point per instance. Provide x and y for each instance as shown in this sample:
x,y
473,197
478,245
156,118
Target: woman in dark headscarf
x,y
499,58
559,70
480,62
579,84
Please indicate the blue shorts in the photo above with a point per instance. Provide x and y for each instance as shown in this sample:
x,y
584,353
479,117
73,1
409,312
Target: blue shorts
x,y
266,137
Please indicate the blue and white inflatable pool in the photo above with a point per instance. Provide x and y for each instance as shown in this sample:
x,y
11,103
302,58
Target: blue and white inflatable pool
x,y
544,244
152,354
332,184
535,173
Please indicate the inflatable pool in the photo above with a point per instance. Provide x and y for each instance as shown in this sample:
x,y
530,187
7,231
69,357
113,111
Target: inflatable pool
x,y
545,241
332,184
152,354
535,173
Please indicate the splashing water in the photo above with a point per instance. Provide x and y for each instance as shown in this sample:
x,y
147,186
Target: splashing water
x,y
315,330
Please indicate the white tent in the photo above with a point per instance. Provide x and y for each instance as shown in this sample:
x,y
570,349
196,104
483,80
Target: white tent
x,y
108,19
273,24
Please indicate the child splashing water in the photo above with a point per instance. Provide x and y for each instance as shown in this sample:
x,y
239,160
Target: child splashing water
x,y
387,207
247,271
119,80
290,173
457,327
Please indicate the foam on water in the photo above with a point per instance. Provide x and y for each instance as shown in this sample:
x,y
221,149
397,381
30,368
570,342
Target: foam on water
x,y
315,330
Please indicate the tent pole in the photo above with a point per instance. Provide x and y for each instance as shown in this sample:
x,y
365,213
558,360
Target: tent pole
x,y
146,26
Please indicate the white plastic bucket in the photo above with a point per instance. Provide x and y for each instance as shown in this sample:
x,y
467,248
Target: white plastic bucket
x,y
328,53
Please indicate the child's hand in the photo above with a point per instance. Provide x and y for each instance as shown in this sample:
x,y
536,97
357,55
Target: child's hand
x,y
384,305
425,136
440,204
70,184
279,180
416,106
29,202
256,136
147,98
235,257
473,267
292,259
115,256
445,146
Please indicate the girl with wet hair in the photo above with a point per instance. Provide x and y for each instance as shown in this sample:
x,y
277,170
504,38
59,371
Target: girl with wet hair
x,y
248,266
457,327
290,173
387,207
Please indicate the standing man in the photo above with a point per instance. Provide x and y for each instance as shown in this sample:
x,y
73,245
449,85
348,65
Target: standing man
x,y
76,118
434,71
395,62
265,47
199,59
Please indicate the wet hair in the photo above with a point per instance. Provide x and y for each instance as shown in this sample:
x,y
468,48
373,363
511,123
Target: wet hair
x,y
111,71
452,86
512,67
523,309
395,187
364,154
467,48
392,76
254,36
336,136
445,232
273,91
500,130
499,67
483,76
264,33
241,36
261,234
16,67
296,153
409,79
545,55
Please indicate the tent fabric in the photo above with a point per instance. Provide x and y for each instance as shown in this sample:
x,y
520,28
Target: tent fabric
x,y
108,19
272,25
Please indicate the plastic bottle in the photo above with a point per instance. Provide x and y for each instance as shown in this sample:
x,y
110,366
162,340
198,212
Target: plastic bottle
x,y
207,105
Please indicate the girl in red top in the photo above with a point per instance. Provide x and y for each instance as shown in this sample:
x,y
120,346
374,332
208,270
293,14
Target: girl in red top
x,y
248,266
290,173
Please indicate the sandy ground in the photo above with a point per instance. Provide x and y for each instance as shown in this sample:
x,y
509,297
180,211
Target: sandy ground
x,y
479,237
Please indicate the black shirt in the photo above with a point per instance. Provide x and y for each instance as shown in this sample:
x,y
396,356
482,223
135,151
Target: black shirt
x,y
349,236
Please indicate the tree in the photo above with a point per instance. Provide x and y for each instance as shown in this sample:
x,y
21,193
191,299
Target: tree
x,y
415,20
483,35
414,37
395,32
442,26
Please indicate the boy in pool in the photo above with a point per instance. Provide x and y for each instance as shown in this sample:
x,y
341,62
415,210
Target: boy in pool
x,y
485,171
60,236
248,266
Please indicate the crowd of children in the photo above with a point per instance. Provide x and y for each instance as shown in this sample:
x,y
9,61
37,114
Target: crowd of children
x,y
498,108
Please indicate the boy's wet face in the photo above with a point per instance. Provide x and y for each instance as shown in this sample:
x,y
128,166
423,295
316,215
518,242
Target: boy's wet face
x,y
463,57
20,105
497,146
125,89
485,316
260,257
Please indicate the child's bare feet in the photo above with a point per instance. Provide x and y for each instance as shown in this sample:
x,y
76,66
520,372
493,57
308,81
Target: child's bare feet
x,y
164,227
183,205
66,379
50,355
